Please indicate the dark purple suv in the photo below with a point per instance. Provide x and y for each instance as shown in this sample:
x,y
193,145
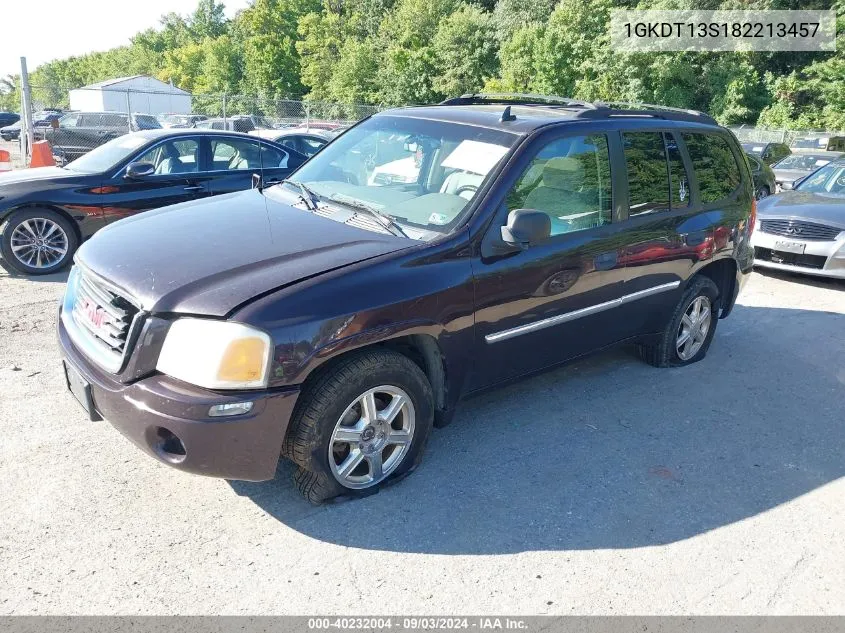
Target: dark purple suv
x,y
425,254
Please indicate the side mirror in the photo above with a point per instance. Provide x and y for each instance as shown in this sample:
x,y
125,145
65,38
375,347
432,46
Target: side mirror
x,y
526,227
140,170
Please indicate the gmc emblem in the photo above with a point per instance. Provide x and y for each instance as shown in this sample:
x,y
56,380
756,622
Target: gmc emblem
x,y
94,313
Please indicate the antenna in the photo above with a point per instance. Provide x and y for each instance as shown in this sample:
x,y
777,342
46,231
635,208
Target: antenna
x,y
507,116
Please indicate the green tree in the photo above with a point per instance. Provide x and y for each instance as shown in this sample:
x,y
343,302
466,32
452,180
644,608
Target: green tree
x,y
208,20
465,51
271,61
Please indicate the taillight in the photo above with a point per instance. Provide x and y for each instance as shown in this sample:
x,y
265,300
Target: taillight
x,y
752,219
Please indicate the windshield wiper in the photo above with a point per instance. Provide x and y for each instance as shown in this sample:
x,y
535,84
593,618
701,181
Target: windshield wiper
x,y
306,195
382,218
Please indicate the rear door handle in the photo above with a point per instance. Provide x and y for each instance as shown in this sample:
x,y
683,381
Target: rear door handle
x,y
195,188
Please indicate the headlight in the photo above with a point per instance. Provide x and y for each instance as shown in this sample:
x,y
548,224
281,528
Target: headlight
x,y
216,354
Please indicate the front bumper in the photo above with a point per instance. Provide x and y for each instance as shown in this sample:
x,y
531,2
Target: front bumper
x,y
823,259
150,411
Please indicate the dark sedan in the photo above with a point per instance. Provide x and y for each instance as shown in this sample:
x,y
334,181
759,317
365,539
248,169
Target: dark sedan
x,y
46,213
307,141
763,176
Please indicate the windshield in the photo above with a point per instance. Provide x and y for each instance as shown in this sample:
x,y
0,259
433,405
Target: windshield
x,y
828,179
108,155
421,173
804,162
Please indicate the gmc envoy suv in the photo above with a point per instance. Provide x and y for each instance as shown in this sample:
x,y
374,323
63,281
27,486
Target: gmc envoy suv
x,y
425,254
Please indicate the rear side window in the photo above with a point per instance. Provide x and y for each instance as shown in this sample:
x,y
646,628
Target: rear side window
x,y
648,178
678,181
715,166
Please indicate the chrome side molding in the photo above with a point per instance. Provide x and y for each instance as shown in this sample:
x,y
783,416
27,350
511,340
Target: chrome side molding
x,y
577,314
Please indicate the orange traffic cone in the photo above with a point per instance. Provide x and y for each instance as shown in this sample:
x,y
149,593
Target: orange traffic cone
x,y
5,160
42,155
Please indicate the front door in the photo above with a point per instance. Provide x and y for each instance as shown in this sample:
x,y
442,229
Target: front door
x,y
179,177
556,300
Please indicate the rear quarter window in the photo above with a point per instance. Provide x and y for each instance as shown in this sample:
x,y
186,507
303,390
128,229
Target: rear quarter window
x,y
715,166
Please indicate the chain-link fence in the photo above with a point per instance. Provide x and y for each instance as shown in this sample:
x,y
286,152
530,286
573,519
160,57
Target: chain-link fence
x,y
76,121
821,140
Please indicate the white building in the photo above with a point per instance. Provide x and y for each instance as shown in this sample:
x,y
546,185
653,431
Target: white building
x,y
139,94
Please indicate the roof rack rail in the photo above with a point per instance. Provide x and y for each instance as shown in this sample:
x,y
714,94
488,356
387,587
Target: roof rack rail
x,y
515,98
635,108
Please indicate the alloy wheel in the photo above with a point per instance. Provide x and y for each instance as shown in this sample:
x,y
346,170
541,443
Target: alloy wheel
x,y
372,437
39,243
695,324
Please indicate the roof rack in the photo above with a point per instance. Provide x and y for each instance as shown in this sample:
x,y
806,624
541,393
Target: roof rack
x,y
587,110
515,98
635,108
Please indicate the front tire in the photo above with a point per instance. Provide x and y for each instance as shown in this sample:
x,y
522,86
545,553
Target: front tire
x,y
38,241
360,425
690,329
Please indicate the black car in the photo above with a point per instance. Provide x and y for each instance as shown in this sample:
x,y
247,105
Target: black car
x,y
7,118
46,213
12,132
767,152
763,176
237,123
77,133
307,141
334,320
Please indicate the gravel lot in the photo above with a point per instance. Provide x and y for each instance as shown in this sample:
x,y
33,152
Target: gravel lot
x,y
606,487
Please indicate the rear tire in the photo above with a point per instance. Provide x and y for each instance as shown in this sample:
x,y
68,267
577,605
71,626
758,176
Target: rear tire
x,y
28,230
695,316
361,424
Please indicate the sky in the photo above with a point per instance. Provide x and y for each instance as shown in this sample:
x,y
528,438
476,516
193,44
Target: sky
x,y
53,29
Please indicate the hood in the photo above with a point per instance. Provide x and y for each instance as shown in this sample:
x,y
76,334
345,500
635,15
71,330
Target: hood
x,y
209,256
790,175
35,174
803,205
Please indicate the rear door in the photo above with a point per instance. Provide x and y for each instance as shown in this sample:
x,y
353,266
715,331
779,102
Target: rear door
x,y
180,176
546,303
277,163
682,202
233,161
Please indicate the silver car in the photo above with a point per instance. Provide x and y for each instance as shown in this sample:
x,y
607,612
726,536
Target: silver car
x,y
803,230
797,165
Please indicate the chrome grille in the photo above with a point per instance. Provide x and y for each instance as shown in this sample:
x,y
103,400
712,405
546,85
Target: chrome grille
x,y
103,314
800,230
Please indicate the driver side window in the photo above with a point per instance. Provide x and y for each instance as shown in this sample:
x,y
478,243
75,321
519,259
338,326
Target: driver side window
x,y
569,180
174,157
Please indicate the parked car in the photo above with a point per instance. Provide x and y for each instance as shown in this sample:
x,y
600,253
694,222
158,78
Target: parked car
x,y
45,213
7,118
40,119
306,141
763,176
334,321
803,230
77,133
767,152
180,120
237,123
796,166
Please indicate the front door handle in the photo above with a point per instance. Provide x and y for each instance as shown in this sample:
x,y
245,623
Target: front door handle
x,y
194,188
